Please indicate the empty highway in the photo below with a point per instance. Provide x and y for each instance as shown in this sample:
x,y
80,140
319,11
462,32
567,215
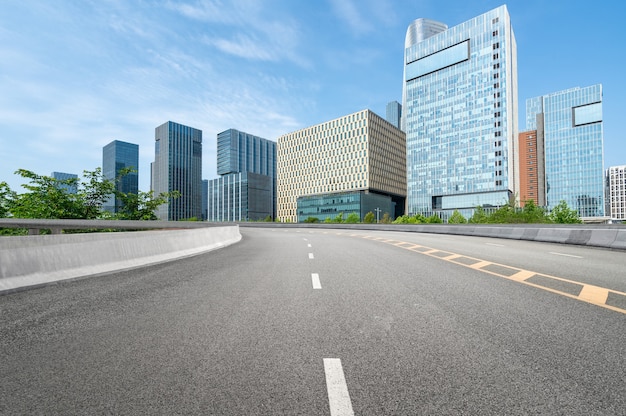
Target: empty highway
x,y
328,322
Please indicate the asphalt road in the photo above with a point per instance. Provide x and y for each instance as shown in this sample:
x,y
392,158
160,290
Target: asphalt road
x,y
298,322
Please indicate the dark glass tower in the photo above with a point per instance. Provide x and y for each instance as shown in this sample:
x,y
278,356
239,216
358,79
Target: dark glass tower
x,y
116,156
178,167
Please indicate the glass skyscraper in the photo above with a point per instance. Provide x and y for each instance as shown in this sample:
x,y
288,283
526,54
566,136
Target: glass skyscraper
x,y
394,113
237,196
178,167
459,112
116,156
243,196
62,176
571,124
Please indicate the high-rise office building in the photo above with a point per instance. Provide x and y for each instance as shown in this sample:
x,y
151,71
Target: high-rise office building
x,y
394,113
335,167
570,122
616,192
116,156
242,196
178,167
205,199
246,189
459,112
62,176
238,151
532,167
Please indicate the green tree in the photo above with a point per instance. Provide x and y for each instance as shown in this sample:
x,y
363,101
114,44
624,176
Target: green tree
x,y
6,198
479,216
370,218
402,219
353,218
386,218
533,214
47,198
434,219
562,214
141,205
457,218
311,220
338,219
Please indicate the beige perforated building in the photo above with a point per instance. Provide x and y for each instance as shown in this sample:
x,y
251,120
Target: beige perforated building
x,y
358,153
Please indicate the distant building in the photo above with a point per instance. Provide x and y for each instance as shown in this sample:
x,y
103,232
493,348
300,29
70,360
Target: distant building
x,y
532,167
333,167
571,124
459,112
243,196
62,176
116,156
178,167
394,113
616,196
246,190
205,199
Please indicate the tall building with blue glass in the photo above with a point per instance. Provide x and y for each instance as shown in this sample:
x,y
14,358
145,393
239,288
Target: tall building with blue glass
x,y
116,156
570,123
62,176
459,112
178,167
394,113
246,189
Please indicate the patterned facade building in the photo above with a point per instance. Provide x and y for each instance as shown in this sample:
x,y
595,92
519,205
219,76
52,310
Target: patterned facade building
x,y
360,152
616,192
532,168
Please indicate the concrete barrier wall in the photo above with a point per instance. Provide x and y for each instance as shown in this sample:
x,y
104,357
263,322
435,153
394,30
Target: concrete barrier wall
x,y
605,236
27,261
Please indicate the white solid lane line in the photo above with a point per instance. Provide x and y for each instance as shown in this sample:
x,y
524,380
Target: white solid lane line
x,y
338,396
315,278
495,245
310,255
565,255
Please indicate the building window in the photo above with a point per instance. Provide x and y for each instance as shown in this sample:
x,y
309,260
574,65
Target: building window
x,y
496,45
496,56
495,33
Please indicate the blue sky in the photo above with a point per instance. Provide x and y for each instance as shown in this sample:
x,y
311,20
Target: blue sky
x,y
75,75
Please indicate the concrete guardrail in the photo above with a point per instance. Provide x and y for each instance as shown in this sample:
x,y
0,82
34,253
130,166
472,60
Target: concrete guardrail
x,y
36,260
604,236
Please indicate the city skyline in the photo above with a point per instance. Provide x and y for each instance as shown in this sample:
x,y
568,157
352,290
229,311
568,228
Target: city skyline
x,y
77,76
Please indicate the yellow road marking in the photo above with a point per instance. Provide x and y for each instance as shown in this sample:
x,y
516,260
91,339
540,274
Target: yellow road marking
x,y
594,294
590,294
479,265
522,275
